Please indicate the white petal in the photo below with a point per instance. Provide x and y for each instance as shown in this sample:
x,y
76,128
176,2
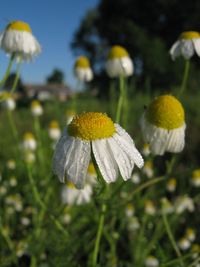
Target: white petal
x,y
104,159
126,143
196,43
60,154
187,49
123,159
77,162
176,140
175,50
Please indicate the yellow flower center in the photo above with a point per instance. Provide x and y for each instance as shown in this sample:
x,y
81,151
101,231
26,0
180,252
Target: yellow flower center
x,y
19,26
91,169
117,52
189,35
196,173
91,126
166,112
53,125
35,104
82,62
71,185
148,164
28,136
130,207
172,182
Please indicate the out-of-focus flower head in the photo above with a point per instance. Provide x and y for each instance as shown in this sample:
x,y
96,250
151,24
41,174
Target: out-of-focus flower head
x,y
54,130
9,102
171,185
29,143
70,195
130,210
119,62
146,150
163,125
196,178
190,234
94,132
82,69
148,168
17,39
184,244
11,164
150,207
184,203
166,206
36,108
135,178
187,44
151,261
70,115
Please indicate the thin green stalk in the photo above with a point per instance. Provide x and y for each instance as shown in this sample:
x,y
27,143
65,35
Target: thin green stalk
x,y
7,73
121,99
16,78
12,126
195,262
99,234
172,239
38,200
33,261
185,77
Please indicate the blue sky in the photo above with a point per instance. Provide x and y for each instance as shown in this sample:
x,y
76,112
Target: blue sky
x,y
53,23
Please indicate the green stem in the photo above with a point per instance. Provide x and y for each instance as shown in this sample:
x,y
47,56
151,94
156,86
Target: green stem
x,y
185,77
121,99
7,73
99,234
42,204
12,126
171,238
16,78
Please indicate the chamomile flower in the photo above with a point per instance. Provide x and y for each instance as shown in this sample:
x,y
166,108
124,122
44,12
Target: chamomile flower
x,y
171,185
17,39
135,178
119,62
150,208
91,174
54,130
71,195
130,210
163,125
133,223
146,150
82,69
29,143
148,168
11,164
36,108
9,102
184,244
70,115
183,203
151,261
166,206
190,234
112,147
196,178
187,44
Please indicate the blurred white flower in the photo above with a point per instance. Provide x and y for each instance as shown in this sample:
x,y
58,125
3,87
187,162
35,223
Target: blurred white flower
x,y
190,234
29,143
146,150
171,185
148,168
163,125
82,69
36,108
149,207
25,221
166,206
135,178
54,130
70,195
11,165
13,181
187,44
17,39
133,223
119,62
184,203
196,178
151,261
184,244
130,210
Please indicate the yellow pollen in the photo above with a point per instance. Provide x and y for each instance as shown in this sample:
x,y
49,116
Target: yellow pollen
x,y
172,182
28,136
35,104
196,174
19,26
82,62
189,35
166,112
71,185
91,169
91,126
53,125
117,52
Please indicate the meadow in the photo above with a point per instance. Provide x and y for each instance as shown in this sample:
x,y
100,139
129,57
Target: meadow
x,y
150,220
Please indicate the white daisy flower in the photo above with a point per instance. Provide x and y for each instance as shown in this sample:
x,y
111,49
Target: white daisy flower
x,y
150,207
11,164
148,169
71,195
183,203
196,178
151,261
130,210
9,102
171,185
119,62
82,69
184,244
54,130
94,132
187,44
29,143
163,125
190,234
17,39
36,108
